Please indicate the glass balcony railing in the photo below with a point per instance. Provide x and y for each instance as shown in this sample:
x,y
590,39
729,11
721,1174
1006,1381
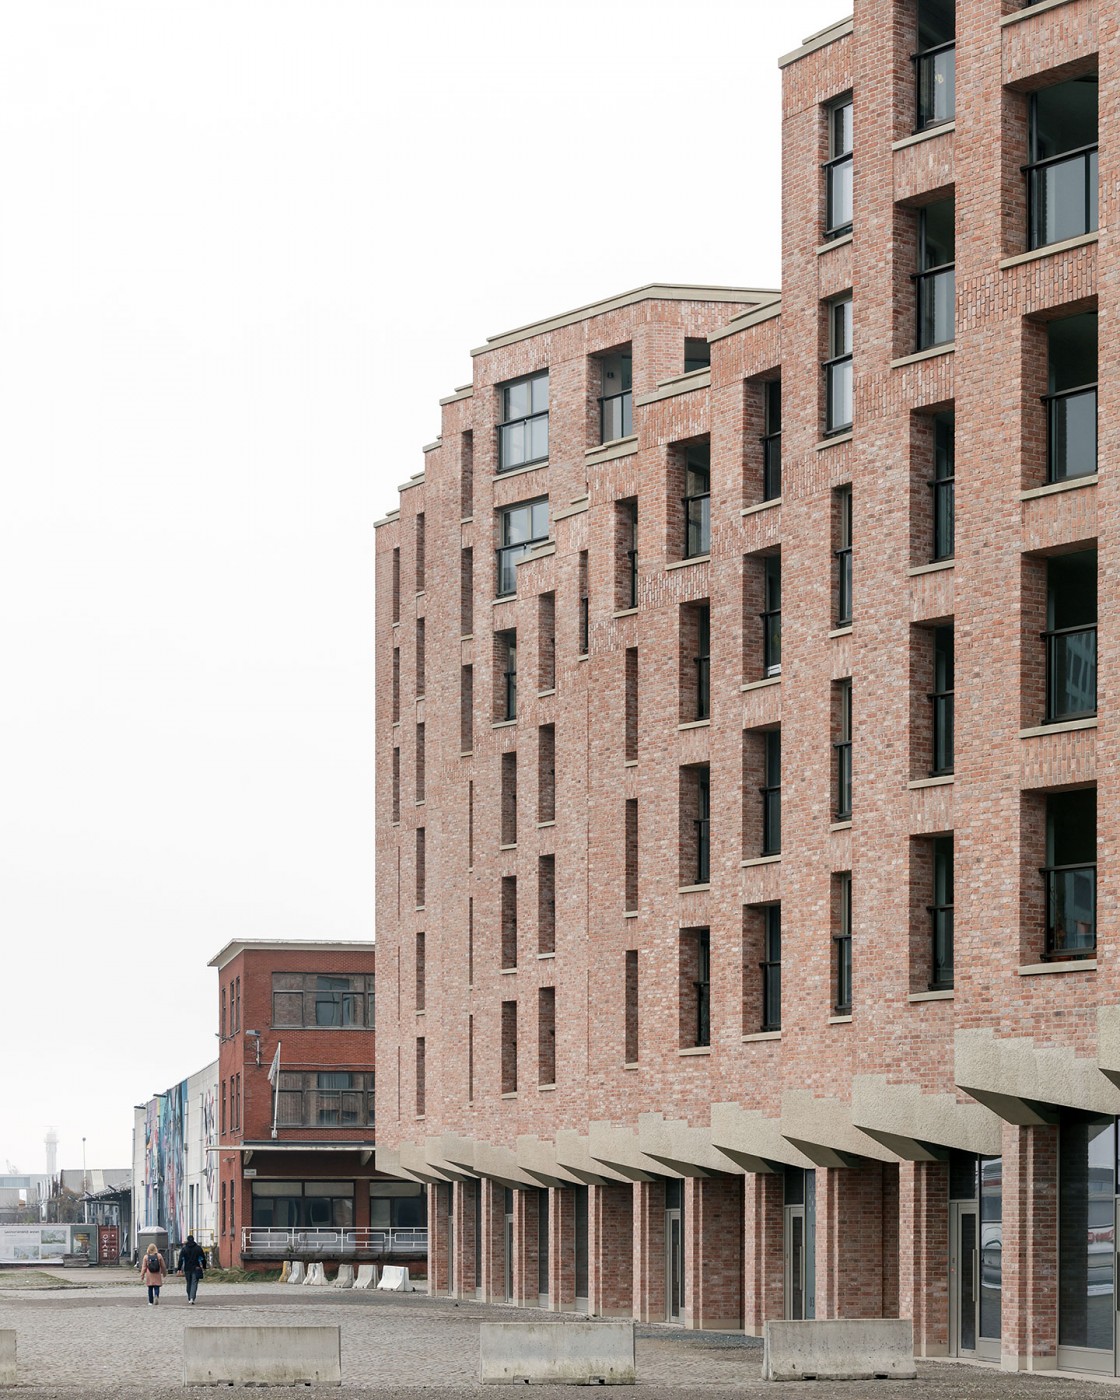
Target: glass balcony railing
x,y
1072,433
937,84
616,416
941,963
1071,910
1071,672
1062,196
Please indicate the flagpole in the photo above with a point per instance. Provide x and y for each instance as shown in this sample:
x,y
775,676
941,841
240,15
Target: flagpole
x,y
274,1076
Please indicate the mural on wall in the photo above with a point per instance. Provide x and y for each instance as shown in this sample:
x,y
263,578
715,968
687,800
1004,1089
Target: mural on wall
x,y
165,1162
209,1139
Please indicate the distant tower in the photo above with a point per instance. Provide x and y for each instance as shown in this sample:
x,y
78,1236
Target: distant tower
x,y
51,1143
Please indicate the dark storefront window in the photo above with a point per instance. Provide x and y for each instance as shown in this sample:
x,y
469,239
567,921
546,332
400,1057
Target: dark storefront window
x,y
1086,1230
302,1204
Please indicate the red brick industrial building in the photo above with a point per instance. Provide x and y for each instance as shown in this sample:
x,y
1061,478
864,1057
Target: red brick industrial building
x,y
678,800
297,1171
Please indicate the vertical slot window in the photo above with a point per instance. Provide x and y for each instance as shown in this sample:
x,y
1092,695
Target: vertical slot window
x,y
616,402
421,553
842,942
695,987
936,276
838,367
584,604
943,699
943,486
935,63
505,675
546,1035
509,799
1071,400
771,967
842,533
523,432
941,915
771,793
421,767
1070,874
772,615
772,440
421,1076
630,1029
842,747
1062,173
630,890
838,171
1071,636
697,500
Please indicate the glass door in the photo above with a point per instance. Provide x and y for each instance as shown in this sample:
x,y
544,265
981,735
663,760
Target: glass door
x,y
795,1262
508,1250
964,1277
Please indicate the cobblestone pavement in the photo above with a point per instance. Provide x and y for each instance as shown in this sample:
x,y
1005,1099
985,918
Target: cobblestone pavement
x,y
103,1340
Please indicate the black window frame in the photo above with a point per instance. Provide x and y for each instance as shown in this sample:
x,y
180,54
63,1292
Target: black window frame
x,y
771,792
942,699
842,939
841,341
1061,642
771,967
935,66
703,824
941,915
623,398
697,502
1038,166
843,749
771,614
507,553
928,281
843,556
772,440
943,486
703,622
838,167
534,415
1059,403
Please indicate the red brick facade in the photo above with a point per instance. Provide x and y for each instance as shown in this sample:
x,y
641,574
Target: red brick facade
x,y
606,836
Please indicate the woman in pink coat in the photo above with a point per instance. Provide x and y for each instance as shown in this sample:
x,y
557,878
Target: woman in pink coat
x,y
151,1273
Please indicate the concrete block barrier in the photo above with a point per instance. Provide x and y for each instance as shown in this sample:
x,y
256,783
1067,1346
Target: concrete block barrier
x,y
316,1276
367,1276
8,1356
394,1279
847,1349
285,1272
345,1278
563,1353
262,1356
296,1274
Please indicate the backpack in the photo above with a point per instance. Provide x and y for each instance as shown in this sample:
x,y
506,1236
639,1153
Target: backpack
x,y
153,1263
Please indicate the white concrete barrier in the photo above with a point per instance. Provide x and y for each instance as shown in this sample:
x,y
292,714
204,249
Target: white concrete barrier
x,y
367,1276
285,1272
316,1276
262,1356
565,1353
394,1279
8,1356
847,1349
345,1278
296,1275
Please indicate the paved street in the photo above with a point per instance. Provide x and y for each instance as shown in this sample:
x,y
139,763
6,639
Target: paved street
x,y
97,1339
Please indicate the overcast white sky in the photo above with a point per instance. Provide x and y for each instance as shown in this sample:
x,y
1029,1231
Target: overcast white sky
x,y
245,246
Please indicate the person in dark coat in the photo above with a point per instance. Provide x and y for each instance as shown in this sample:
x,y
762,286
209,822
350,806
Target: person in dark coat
x,y
192,1265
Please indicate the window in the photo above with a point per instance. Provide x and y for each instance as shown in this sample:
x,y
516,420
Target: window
x,y
935,62
772,440
421,1076
626,554
630,1046
941,915
466,709
616,414
324,1099
696,680
697,354
523,432
420,553
237,1007
695,987
395,811
1071,636
695,839
509,1047
838,367
420,764
546,904
842,533
421,866
223,1022
771,967
1070,874
1062,162
396,684
584,605
546,773
842,746
631,688
520,527
546,641
1071,402
771,793
505,674
396,584
466,593
943,485
420,656
509,920
772,615
509,800
630,887
308,1000
838,171
546,1035
942,699
842,941
697,501
936,277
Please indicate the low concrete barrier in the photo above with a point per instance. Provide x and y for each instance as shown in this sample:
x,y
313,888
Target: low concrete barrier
x,y
394,1279
316,1276
565,1353
296,1275
8,1356
367,1276
262,1356
345,1278
847,1349
285,1272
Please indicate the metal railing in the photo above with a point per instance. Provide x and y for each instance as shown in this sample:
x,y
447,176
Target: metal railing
x,y
333,1242
944,513
771,819
1071,432
698,525
1071,910
937,293
772,466
941,960
1071,672
943,731
523,441
616,416
936,70
771,641
1062,196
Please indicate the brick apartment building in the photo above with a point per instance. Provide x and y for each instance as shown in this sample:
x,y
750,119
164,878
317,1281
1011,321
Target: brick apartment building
x,y
297,1174
742,965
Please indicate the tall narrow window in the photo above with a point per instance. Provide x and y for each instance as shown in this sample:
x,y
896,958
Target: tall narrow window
x,y
396,808
509,920
470,942
421,1077
838,367
421,767
697,501
1072,398
466,475
695,837
505,674
520,527
616,417
772,440
772,968
470,1069
772,615
842,533
420,658
942,698
509,1047
941,914
584,604
1070,873
546,642
470,825
944,486
838,171
935,62
421,972
546,904
421,880
936,276
771,793
630,1047
420,553
396,584
509,799
695,987
842,941
630,891
546,773
466,592
703,661
466,709
523,432
626,554
842,747
631,685
1071,636
546,1035
1062,175
396,698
